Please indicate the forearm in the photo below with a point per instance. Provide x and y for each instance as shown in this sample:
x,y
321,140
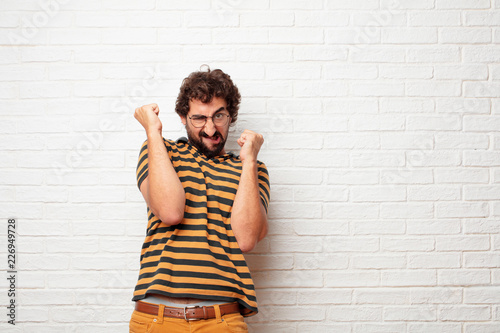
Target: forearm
x,y
248,216
166,197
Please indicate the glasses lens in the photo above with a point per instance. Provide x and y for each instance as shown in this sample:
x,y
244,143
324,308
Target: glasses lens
x,y
198,121
220,119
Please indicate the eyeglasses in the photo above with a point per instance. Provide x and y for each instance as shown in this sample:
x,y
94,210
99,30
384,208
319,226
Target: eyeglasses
x,y
219,119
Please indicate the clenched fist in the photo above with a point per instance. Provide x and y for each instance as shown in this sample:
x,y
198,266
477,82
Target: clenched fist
x,y
147,115
250,143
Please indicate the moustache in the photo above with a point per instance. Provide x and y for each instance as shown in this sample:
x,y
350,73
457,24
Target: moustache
x,y
216,135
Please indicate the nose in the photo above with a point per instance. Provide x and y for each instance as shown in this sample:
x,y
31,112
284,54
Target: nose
x,y
209,127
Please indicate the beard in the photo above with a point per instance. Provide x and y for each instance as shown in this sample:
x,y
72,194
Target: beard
x,y
196,140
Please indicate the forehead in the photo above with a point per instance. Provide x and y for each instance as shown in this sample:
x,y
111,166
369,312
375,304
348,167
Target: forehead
x,y
206,109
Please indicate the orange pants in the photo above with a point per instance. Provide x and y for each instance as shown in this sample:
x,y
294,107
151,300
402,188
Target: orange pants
x,y
146,323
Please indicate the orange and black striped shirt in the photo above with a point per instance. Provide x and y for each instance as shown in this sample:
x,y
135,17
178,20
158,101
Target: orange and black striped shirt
x,y
199,257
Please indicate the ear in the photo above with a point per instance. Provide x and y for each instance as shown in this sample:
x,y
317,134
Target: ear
x,y
184,120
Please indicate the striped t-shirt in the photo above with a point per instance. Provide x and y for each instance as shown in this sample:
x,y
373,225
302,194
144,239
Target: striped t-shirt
x,y
198,258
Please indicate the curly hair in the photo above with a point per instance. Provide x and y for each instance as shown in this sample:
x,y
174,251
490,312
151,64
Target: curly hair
x,y
204,86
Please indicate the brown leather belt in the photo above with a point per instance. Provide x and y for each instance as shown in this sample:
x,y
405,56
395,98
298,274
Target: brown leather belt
x,y
189,312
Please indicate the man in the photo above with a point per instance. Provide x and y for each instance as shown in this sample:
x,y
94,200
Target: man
x,y
205,208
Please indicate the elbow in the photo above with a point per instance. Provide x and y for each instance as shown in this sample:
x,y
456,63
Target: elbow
x,y
247,246
170,217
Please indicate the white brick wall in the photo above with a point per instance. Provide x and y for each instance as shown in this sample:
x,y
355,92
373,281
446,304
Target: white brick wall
x,y
381,120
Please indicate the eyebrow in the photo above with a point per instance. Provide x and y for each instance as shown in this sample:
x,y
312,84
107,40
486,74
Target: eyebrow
x,y
222,108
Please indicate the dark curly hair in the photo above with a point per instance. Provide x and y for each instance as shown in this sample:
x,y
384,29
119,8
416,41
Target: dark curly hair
x,y
204,86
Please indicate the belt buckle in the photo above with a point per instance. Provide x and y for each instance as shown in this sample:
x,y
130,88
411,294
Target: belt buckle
x,y
191,307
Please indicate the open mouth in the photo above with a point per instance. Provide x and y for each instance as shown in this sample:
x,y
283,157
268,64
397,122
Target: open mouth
x,y
213,139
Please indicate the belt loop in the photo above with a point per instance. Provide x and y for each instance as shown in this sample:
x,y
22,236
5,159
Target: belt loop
x,y
161,313
217,313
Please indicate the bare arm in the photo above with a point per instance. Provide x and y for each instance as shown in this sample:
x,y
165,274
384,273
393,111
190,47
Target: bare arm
x,y
162,188
248,216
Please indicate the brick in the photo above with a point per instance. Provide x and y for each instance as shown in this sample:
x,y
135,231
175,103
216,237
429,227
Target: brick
x,y
413,313
406,72
355,4
481,158
434,193
324,296
461,72
264,55
380,296
239,36
404,176
296,4
406,210
378,54
481,18
320,261
386,159
435,295
295,210
352,278
481,328
288,279
405,141
434,260
413,277
406,105
467,175
212,19
182,5
433,88
321,18
461,209
358,210
463,277
72,281
382,18
481,89
379,327
437,18
377,193
481,226
433,227
467,105
433,54
463,243
481,260
462,4
353,35
326,194
290,71
378,262
296,36
480,54
320,89
305,244
409,36
346,176
461,141
464,313
472,192
379,89
406,243
464,35
350,244
390,227
354,313
277,18
326,53
352,141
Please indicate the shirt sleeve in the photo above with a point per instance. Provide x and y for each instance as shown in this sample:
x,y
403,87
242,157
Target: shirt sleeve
x,y
142,163
264,185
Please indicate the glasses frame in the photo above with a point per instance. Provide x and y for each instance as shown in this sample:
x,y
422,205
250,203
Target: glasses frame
x,y
212,118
